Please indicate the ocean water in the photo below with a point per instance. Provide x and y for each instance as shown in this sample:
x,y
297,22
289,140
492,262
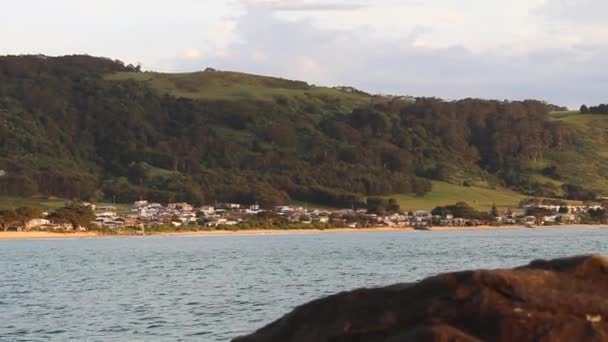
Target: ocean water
x,y
215,288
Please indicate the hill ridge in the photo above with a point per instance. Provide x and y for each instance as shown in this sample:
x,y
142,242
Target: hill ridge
x,y
93,128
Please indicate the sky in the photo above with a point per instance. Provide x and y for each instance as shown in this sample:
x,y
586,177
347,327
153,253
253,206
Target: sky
x,y
552,50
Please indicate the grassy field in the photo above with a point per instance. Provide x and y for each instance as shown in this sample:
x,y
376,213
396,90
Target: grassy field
x,y
223,85
47,204
444,194
587,163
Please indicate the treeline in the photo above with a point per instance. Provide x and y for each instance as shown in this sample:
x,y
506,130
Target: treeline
x,y
599,109
74,215
465,211
67,131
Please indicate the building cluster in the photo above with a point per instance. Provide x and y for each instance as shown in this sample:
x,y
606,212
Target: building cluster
x,y
146,214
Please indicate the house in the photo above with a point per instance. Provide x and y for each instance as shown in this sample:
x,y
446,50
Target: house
x,y
58,226
530,220
183,206
253,209
106,213
105,209
283,209
460,222
216,222
207,210
566,218
422,214
36,223
230,206
116,224
446,223
187,218
130,222
140,204
550,219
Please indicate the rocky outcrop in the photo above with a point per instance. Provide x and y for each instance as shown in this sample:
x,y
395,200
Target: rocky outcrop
x,y
557,300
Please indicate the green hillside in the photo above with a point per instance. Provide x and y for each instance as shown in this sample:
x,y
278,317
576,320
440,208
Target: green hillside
x,y
81,127
445,194
234,86
584,162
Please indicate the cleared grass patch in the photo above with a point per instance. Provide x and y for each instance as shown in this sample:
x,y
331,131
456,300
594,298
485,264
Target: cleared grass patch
x,y
445,193
48,203
224,85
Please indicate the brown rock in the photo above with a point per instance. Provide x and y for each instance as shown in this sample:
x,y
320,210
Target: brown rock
x,y
558,300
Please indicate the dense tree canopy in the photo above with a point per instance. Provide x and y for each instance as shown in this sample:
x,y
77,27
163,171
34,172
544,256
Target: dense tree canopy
x,y
599,109
66,130
77,216
462,210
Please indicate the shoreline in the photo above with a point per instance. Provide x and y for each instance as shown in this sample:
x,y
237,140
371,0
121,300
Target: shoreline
x,y
40,235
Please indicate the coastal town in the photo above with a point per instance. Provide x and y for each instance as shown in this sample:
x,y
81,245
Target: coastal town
x,y
149,216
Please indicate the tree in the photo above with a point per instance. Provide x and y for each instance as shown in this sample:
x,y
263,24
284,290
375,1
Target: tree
x,y
421,186
77,216
460,210
494,211
376,205
538,213
441,211
83,132
7,218
393,206
578,193
27,213
598,215
584,109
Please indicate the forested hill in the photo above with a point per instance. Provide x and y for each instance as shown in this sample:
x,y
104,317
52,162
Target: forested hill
x,y
93,128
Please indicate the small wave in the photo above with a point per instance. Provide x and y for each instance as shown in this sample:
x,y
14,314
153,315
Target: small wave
x,y
55,332
202,333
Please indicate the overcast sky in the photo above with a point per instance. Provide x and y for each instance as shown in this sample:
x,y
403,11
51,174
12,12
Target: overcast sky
x,y
555,50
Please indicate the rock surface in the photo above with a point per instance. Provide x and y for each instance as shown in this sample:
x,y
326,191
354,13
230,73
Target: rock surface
x,y
557,300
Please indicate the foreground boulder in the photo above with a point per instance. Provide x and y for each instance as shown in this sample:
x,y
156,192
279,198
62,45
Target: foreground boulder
x,y
557,300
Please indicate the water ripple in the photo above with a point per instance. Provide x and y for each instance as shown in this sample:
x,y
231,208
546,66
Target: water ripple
x,y
214,288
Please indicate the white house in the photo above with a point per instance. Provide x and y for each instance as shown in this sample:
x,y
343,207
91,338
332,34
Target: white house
x,y
422,213
140,204
36,223
207,210
183,206
230,206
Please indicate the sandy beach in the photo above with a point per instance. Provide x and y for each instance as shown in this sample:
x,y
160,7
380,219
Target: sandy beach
x,y
36,235
84,235
46,235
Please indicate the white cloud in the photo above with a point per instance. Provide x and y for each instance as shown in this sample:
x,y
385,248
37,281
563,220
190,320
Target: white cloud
x,y
305,5
191,53
551,49
409,63
582,12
